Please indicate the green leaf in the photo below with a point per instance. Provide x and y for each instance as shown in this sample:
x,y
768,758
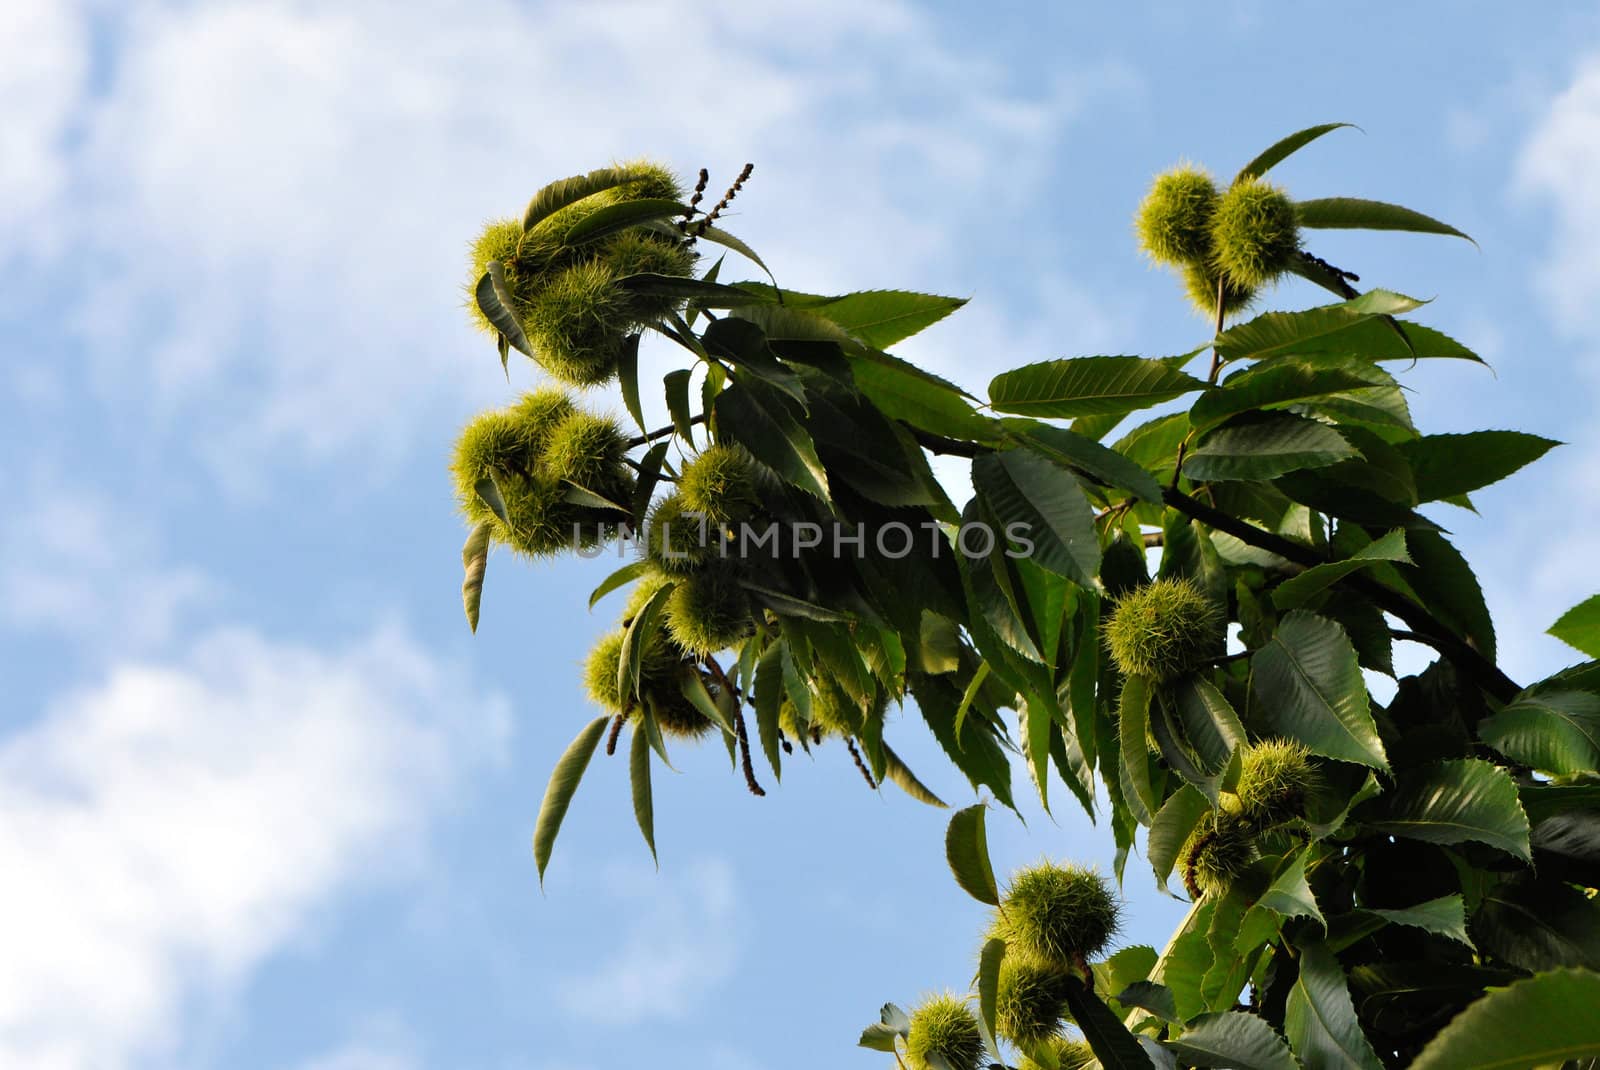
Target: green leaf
x,y
929,405
1355,213
1551,731
489,492
1534,1022
1085,386
1233,1039
1133,718
1289,896
558,794
979,675
768,703
906,780
966,848
1265,446
1027,492
682,288
1325,329
1110,1040
624,575
559,194
1445,916
639,776
1183,964
495,302
1170,829
1150,996
614,218
760,420
1452,802
1579,627
1124,969
1281,150
1448,465
641,630
880,318
879,1036
1312,690
677,392
728,241
1279,383
694,689
1085,455
989,959
649,476
584,496
475,559
628,378
1320,1020
1445,583
1209,723
1295,590
788,605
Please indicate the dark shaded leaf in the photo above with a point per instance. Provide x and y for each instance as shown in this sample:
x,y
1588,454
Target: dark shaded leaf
x,y
1448,465
1081,454
1266,446
1110,1040
1552,731
1035,501
759,419
1452,802
1534,1022
1233,1039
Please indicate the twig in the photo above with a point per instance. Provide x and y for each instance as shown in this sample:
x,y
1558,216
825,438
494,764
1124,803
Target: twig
x,y
1424,625
616,733
860,764
727,198
1211,376
661,432
1427,628
743,738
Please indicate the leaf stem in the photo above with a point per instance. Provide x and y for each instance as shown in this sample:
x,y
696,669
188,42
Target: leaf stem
x,y
660,432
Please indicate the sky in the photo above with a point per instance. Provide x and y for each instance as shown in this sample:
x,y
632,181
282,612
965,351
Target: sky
x,y
266,803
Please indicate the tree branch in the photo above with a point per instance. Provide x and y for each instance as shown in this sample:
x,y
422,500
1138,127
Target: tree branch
x,y
661,432
1425,626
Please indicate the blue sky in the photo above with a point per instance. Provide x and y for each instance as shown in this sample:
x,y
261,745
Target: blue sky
x,y
264,803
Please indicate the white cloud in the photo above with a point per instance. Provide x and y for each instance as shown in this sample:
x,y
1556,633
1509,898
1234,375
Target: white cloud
x,y
1560,163
680,941
73,564
166,830
275,196
44,54
380,1045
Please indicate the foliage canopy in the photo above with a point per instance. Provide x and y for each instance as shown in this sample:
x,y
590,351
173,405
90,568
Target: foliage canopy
x,y
1174,618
